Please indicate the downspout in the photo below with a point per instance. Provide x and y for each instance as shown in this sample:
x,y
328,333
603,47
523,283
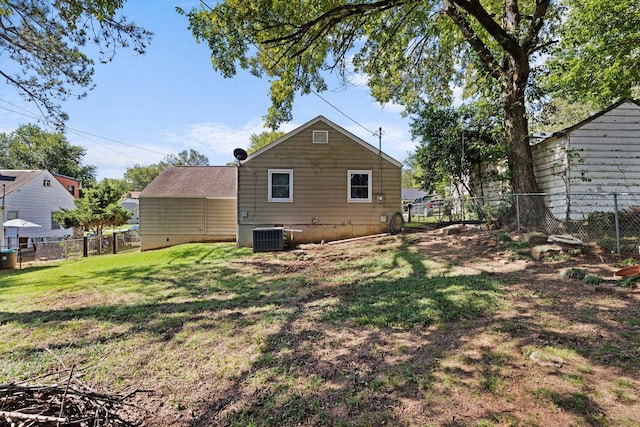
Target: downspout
x,y
4,191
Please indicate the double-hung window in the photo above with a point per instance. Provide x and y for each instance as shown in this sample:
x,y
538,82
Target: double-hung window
x,y
280,185
55,225
359,186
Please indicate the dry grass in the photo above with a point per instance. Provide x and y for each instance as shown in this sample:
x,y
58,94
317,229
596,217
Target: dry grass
x,y
421,329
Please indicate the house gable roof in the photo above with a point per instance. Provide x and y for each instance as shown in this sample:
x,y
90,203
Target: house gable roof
x,y
330,124
21,178
563,132
193,181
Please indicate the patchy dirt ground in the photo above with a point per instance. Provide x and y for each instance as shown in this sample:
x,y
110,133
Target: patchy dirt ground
x,y
555,352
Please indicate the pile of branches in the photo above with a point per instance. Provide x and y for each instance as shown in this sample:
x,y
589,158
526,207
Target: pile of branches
x,y
69,403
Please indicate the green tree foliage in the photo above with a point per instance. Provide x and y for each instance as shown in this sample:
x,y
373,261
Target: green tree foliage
x,y
597,57
410,172
408,50
43,46
259,140
97,208
30,147
455,144
559,113
187,158
138,176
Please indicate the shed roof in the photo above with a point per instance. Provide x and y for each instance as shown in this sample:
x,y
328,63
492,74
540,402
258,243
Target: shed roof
x,y
193,181
21,178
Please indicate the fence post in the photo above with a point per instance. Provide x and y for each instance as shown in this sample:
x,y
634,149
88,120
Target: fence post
x,y
518,211
85,246
617,218
114,243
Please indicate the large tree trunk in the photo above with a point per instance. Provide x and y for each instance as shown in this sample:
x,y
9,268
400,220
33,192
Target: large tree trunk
x,y
519,153
516,126
518,149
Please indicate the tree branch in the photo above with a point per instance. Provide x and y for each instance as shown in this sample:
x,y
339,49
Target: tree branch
x,y
487,59
507,41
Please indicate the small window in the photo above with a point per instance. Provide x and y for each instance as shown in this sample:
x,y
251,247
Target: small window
x,y
280,185
46,182
12,215
320,136
71,189
55,225
359,186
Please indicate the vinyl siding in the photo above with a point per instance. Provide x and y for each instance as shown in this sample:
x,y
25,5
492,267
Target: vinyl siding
x,y
35,203
167,221
320,185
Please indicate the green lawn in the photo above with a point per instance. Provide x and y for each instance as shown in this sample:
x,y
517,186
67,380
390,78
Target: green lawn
x,y
331,336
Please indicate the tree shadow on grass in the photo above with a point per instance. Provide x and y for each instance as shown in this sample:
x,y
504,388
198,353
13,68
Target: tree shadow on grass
x,y
353,353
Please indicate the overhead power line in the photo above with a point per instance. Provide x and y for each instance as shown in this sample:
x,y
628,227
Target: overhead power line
x,y
79,132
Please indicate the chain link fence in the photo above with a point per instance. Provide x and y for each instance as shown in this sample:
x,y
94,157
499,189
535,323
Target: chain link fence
x,y
87,246
611,220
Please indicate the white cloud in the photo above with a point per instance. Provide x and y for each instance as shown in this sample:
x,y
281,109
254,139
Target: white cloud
x,y
218,138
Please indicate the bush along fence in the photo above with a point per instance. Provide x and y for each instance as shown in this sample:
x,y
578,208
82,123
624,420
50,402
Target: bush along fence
x,y
612,220
111,243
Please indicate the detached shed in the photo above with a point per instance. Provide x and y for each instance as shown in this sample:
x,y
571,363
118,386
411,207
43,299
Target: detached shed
x,y
598,155
186,204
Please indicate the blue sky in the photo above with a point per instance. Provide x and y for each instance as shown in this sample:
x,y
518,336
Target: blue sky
x,y
171,99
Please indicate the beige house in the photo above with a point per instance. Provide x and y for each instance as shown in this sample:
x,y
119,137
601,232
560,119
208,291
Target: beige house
x,y
189,204
321,181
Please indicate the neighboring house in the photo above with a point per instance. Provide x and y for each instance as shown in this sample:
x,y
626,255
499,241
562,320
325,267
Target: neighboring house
x,y
488,179
410,194
34,196
72,185
188,204
599,154
321,181
132,203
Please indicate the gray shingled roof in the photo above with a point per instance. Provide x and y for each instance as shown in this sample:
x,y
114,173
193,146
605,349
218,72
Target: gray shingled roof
x,y
193,181
21,178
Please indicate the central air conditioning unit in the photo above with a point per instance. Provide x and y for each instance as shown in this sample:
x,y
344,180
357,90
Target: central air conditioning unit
x,y
268,239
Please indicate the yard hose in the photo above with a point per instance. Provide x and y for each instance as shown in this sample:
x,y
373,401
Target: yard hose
x,y
396,225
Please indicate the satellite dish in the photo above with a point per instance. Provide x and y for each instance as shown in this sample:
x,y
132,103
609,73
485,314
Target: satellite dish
x,y
240,154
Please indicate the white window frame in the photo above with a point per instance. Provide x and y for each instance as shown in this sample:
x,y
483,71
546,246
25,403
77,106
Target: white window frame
x,y
369,192
269,188
324,139
12,215
55,225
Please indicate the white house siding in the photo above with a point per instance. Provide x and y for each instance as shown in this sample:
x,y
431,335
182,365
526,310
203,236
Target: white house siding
x,y
35,203
168,221
600,155
319,207
550,168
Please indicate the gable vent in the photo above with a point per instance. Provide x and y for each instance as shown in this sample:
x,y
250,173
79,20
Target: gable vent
x,y
320,136
268,239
